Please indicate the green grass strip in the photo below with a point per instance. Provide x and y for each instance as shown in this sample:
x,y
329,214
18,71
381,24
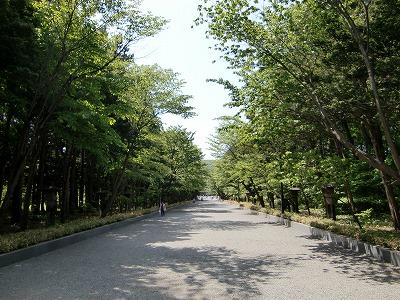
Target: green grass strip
x,y
378,235
18,240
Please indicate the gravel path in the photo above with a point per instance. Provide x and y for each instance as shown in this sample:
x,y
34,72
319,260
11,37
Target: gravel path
x,y
209,250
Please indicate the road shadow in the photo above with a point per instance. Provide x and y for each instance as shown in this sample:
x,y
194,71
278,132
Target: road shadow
x,y
211,211
352,264
197,269
178,226
164,258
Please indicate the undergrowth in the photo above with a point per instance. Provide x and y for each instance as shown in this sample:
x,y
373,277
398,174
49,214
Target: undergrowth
x,y
18,240
376,232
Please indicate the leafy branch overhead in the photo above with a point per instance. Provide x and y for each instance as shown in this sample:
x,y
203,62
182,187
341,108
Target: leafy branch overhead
x,y
79,120
315,74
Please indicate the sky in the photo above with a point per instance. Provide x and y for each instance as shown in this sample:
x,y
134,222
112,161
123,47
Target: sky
x,y
186,51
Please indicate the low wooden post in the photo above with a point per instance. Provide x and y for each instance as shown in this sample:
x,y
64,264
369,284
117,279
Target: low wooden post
x,y
329,199
294,193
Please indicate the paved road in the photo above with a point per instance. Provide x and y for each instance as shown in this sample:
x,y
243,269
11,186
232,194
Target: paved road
x,y
207,251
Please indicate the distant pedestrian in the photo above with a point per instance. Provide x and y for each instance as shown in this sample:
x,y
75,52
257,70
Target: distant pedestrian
x,y
162,207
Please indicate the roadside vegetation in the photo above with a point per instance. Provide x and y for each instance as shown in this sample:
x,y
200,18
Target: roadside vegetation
x,y
318,121
80,121
375,231
14,241
317,130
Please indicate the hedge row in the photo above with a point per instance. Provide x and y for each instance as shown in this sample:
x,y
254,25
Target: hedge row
x,y
14,241
378,235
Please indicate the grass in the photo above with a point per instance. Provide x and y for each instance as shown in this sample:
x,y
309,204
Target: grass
x,y
13,241
376,232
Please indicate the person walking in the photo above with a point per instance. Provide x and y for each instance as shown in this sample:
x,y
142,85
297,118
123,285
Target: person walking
x,y
162,211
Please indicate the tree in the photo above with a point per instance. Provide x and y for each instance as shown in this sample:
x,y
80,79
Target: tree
x,y
17,54
149,92
76,112
323,62
186,170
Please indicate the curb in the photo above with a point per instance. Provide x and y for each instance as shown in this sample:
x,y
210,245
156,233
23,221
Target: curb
x,y
378,252
47,246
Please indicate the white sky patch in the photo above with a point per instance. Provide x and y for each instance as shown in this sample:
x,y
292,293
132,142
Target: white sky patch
x,y
185,50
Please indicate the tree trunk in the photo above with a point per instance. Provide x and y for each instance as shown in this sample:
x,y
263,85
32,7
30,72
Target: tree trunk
x,y
394,210
250,193
35,196
347,189
271,199
363,44
82,179
260,198
5,153
283,202
73,199
3,163
89,191
28,196
116,186
15,176
39,182
25,150
331,125
306,201
65,195
16,211
349,194
377,142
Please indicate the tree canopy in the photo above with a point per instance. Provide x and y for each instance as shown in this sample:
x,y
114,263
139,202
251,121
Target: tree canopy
x,y
318,95
80,121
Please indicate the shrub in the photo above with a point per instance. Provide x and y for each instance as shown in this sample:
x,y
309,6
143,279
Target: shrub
x,y
255,207
366,216
14,241
374,234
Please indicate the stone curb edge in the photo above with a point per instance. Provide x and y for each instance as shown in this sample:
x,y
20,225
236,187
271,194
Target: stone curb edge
x,y
378,252
47,246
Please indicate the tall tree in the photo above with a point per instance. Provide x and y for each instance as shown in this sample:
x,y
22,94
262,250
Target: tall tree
x,y
76,41
325,61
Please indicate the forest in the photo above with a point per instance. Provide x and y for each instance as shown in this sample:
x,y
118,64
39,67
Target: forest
x,y
80,121
318,94
316,133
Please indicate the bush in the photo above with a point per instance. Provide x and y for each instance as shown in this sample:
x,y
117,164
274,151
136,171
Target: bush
x,y
14,241
374,234
255,207
366,216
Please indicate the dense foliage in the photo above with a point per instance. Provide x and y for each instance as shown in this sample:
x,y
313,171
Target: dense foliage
x,y
80,122
319,100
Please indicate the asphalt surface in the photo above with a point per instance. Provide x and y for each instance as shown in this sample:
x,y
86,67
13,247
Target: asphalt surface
x,y
209,250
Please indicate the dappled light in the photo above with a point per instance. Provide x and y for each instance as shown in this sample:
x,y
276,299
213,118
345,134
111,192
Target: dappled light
x,y
169,149
208,250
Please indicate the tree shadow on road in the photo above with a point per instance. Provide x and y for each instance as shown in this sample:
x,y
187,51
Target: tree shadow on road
x,y
190,271
212,211
354,265
225,225
159,258
193,271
